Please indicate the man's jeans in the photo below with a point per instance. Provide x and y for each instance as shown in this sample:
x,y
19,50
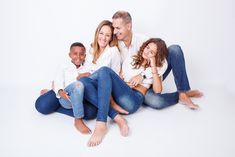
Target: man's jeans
x,y
176,63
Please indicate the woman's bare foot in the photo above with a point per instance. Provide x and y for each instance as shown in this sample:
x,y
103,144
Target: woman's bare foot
x,y
81,127
184,99
98,134
43,91
122,124
194,93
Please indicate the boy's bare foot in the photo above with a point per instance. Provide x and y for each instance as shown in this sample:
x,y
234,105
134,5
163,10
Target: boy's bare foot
x,y
184,99
43,91
81,127
122,124
194,93
98,134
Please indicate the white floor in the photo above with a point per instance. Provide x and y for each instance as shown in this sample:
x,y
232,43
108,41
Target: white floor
x,y
175,131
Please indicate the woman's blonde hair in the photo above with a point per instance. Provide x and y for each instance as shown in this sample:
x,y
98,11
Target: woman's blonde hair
x,y
95,45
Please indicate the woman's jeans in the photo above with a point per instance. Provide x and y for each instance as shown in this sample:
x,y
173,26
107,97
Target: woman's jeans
x,y
176,63
49,103
98,91
75,92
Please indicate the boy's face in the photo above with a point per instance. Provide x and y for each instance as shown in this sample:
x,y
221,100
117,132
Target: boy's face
x,y
77,55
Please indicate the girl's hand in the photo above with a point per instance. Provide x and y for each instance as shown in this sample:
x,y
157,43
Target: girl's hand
x,y
134,81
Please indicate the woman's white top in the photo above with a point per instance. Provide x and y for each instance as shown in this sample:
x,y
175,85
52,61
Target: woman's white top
x,y
129,71
110,58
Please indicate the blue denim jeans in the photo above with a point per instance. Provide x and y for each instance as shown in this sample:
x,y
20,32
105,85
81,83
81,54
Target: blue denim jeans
x,y
176,63
49,103
75,91
98,91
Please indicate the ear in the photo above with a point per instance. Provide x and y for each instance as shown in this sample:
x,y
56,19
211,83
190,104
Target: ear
x,y
129,26
70,54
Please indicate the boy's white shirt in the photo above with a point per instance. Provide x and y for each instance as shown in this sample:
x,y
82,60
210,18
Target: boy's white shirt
x,y
67,72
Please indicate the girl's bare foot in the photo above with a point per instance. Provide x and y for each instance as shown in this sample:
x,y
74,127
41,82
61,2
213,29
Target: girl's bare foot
x,y
122,124
184,99
98,134
81,127
194,93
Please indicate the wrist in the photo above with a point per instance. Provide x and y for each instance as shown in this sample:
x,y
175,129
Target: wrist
x,y
143,75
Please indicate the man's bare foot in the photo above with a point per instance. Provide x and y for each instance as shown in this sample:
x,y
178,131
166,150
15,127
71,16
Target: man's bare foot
x,y
194,93
43,91
184,99
122,124
81,127
98,134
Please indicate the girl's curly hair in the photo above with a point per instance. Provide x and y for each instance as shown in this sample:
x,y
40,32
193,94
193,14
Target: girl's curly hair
x,y
161,54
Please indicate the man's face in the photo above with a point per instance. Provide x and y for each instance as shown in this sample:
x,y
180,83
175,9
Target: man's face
x,y
77,55
121,29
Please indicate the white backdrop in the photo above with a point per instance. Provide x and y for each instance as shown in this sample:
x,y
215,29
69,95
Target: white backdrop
x,y
35,35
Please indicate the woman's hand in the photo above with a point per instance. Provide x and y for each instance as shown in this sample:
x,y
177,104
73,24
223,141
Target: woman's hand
x,y
83,75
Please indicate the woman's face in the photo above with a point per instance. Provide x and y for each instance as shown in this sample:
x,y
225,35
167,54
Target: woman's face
x,y
149,51
104,36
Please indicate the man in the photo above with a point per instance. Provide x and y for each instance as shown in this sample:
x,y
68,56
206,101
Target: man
x,y
129,43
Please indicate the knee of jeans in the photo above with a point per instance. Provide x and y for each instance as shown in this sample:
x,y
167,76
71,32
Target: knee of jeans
x,y
84,80
175,50
154,102
105,69
78,86
47,103
128,105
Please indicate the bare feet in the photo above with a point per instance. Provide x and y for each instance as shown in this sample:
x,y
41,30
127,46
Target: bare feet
x,y
98,134
119,109
43,91
122,124
81,127
184,99
194,93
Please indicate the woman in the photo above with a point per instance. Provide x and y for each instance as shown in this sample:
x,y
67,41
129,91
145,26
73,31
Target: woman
x,y
102,53
128,91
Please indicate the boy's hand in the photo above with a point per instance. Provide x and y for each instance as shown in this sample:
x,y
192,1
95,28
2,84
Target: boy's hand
x,y
83,75
64,95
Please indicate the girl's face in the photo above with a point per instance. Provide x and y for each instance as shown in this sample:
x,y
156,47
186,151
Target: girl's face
x,y
77,55
104,36
149,51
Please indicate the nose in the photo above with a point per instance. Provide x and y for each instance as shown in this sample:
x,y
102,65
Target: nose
x,y
115,31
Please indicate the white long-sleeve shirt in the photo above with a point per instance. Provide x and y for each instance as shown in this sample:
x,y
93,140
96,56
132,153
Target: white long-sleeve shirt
x,y
110,58
67,73
128,72
136,43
